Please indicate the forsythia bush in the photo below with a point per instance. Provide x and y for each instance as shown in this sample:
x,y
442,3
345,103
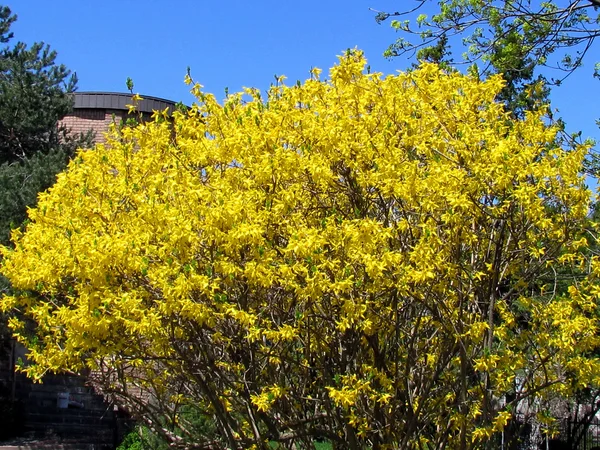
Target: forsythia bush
x,y
367,260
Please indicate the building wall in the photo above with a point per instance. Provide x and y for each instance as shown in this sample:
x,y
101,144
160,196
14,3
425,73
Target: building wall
x,y
97,120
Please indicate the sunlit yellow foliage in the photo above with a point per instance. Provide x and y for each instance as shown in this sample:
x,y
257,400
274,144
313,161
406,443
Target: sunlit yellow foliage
x,y
368,259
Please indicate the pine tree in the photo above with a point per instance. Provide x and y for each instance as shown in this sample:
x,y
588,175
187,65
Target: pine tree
x,y
35,93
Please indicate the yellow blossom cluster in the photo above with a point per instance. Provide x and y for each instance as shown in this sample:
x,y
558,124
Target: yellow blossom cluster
x,y
365,258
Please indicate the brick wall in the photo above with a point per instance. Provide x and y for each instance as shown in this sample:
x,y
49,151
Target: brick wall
x,y
82,120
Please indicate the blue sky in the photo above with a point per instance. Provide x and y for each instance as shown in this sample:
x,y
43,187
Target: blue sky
x,y
234,44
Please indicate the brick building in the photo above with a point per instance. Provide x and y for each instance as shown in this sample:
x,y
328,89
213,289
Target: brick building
x,y
97,110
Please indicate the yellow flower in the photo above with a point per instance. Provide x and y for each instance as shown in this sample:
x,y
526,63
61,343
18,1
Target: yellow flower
x,y
379,247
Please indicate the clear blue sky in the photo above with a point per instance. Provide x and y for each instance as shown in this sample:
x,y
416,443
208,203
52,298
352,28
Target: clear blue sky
x,y
231,43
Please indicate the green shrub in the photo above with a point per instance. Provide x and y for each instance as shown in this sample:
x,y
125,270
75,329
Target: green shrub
x,y
142,438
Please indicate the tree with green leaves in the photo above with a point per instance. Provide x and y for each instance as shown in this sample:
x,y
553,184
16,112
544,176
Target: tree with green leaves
x,y
535,30
511,37
34,95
